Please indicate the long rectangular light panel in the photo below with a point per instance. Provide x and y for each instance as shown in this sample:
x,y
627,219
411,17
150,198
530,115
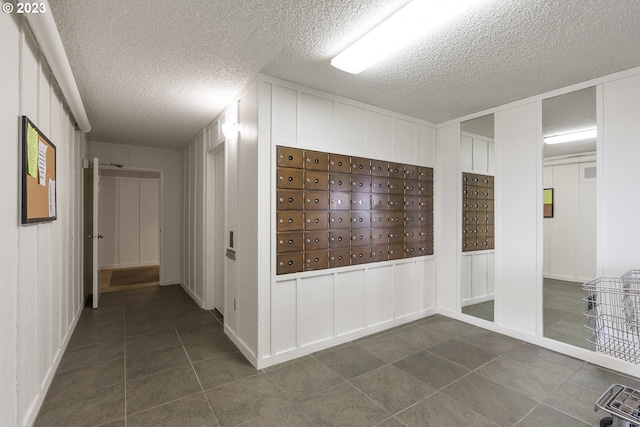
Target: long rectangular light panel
x,y
571,136
410,22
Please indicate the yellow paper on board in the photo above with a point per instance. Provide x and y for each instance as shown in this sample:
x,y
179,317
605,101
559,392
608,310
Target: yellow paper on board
x,y
32,151
548,197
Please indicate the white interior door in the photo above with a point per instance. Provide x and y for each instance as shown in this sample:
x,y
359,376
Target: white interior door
x,y
95,231
220,241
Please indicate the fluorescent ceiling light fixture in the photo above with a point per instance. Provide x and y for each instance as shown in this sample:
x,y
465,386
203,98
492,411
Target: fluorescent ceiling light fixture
x,y
571,136
413,20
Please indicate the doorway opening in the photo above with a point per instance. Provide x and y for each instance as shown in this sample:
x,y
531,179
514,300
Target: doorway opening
x,y
129,222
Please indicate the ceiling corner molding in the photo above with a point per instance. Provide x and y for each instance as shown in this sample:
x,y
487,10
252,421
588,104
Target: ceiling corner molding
x,y
46,34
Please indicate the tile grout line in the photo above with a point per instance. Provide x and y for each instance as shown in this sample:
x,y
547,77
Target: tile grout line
x,y
193,369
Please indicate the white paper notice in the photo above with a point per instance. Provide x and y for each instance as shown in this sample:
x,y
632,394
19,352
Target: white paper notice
x,y
52,198
42,163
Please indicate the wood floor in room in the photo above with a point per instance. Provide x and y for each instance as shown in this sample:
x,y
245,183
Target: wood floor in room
x,y
105,281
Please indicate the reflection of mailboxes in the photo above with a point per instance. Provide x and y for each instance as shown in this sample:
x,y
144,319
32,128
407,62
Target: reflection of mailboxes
x,y
314,160
289,199
411,172
396,202
360,201
379,253
477,212
339,239
339,163
412,234
361,237
339,182
396,219
360,219
396,251
379,185
411,187
316,200
316,240
316,220
339,201
396,186
314,180
360,183
290,157
379,219
289,263
379,168
339,258
379,202
289,220
411,249
316,260
425,174
379,236
412,218
360,166
412,203
290,242
340,219
290,178
396,170
360,255
396,235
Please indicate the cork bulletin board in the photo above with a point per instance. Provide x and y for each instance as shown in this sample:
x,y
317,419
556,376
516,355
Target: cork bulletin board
x,y
38,175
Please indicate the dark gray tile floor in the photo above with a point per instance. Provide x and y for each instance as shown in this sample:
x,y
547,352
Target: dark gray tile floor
x,y
151,357
563,313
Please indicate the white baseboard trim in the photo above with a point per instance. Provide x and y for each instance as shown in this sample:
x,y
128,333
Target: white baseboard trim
x,y
477,300
295,353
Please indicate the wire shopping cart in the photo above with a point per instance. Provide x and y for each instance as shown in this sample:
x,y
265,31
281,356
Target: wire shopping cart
x,y
613,316
623,403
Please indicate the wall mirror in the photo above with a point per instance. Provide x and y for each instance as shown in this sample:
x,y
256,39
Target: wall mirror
x,y
478,255
569,181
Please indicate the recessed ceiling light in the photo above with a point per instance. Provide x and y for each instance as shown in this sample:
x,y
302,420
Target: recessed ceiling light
x,y
571,136
413,20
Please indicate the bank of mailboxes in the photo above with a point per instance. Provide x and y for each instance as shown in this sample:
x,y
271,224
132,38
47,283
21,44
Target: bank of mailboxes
x,y
477,212
335,210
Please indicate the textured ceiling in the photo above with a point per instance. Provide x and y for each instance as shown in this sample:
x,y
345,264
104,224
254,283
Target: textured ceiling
x,y
155,72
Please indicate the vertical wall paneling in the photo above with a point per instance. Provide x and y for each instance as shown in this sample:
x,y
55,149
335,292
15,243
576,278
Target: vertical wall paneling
x,y
315,309
315,122
379,134
248,213
129,231
405,292
517,275
42,279
620,225
149,210
404,141
285,122
284,318
587,225
447,216
349,306
379,295
349,128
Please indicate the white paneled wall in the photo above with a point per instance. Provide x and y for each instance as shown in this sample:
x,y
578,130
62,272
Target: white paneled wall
x,y
193,255
42,292
319,309
570,236
476,279
129,221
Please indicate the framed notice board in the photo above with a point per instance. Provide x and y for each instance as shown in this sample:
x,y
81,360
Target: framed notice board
x,y
548,202
38,175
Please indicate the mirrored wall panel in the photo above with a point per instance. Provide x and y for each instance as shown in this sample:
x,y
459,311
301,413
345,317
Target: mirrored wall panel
x,y
478,236
570,201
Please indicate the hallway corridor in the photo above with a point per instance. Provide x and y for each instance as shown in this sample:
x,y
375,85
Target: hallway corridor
x,y
151,357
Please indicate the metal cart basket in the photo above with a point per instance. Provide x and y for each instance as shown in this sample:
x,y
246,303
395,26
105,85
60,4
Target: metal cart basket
x,y
613,315
623,403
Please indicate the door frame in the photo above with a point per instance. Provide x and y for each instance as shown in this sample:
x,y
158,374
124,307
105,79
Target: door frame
x,y
212,225
160,208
